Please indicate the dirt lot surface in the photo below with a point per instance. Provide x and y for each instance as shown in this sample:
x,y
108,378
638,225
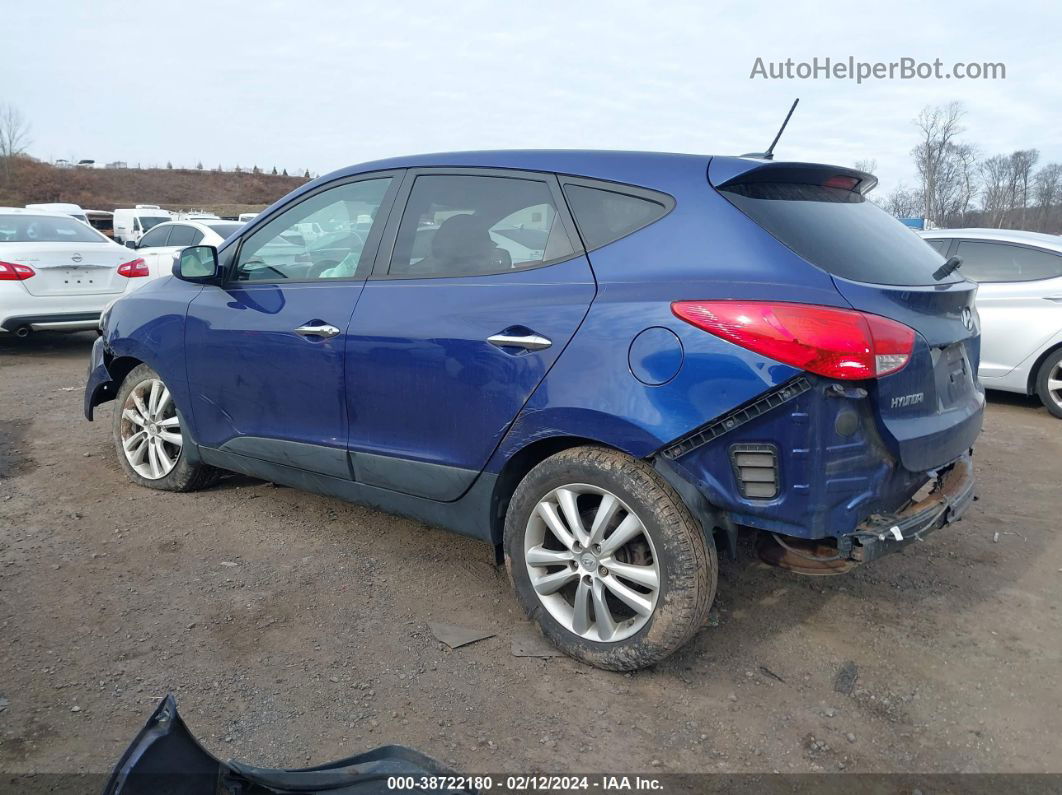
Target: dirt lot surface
x,y
293,628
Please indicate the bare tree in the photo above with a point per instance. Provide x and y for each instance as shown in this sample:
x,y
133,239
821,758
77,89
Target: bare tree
x,y
1047,190
14,131
904,203
966,157
869,165
14,136
935,154
997,194
1022,163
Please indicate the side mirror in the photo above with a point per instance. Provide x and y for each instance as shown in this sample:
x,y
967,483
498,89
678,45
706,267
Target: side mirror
x,y
130,244
198,264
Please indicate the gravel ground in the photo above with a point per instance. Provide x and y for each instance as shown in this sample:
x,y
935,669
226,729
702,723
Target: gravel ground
x,y
293,628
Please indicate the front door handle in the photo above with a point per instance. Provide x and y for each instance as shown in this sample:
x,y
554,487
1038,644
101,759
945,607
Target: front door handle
x,y
317,331
530,342
1056,298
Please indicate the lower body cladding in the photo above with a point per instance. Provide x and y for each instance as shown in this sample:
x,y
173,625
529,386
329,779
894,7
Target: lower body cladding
x,y
809,464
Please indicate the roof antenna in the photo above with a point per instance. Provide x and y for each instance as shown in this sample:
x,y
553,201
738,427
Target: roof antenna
x,y
769,154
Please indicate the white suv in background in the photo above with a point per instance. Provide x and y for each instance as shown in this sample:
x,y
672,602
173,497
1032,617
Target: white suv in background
x,y
58,273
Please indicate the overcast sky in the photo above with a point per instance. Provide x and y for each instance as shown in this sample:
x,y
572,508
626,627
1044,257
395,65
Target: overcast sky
x,y
320,85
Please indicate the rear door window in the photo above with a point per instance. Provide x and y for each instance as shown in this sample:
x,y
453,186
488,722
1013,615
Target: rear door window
x,y
840,231
466,225
605,212
156,237
184,236
1002,262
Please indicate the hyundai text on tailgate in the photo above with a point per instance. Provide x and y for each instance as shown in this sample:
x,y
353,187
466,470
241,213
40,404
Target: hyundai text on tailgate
x,y
602,363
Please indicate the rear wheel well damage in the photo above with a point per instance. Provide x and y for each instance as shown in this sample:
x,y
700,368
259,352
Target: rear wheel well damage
x,y
517,467
515,470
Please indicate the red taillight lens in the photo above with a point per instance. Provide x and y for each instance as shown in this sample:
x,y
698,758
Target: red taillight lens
x,y
13,272
838,343
133,268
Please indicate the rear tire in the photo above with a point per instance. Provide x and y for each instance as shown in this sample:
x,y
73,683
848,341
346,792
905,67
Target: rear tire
x,y
1049,383
151,437
623,605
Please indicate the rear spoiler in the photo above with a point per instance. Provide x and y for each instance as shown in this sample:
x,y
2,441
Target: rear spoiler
x,y
728,171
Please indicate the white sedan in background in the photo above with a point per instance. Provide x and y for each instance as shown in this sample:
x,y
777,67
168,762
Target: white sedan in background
x,y
161,245
57,273
1019,299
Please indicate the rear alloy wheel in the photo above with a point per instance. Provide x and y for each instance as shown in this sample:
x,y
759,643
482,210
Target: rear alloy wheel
x,y
150,438
601,589
606,557
1049,383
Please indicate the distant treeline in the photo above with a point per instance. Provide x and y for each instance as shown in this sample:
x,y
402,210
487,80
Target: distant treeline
x,y
959,186
24,180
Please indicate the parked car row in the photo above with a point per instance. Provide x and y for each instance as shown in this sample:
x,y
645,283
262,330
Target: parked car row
x,y
58,273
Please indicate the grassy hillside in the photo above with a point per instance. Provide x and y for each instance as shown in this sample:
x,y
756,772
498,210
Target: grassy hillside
x,y
27,181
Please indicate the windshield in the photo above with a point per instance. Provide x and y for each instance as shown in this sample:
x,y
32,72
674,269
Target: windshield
x,y
148,221
226,229
840,231
46,229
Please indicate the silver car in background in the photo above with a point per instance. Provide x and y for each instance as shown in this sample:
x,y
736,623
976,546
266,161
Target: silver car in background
x,y
1019,299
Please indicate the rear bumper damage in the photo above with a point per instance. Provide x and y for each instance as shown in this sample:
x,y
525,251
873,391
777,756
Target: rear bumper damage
x,y
950,497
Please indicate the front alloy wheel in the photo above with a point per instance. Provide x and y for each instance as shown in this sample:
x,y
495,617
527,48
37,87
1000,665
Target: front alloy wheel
x,y
591,563
151,430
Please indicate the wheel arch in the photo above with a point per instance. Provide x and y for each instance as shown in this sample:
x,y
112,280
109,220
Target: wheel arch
x,y
119,367
1034,371
515,470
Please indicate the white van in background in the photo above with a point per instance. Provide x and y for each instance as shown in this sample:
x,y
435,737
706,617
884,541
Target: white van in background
x,y
65,208
130,224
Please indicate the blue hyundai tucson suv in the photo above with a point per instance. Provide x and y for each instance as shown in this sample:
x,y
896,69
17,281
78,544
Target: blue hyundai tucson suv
x,y
598,362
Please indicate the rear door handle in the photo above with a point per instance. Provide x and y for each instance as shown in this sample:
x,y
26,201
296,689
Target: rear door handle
x,y
317,331
1056,298
530,342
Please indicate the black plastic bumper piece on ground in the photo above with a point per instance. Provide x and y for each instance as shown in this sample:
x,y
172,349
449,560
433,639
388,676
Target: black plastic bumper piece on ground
x,y
166,758
952,495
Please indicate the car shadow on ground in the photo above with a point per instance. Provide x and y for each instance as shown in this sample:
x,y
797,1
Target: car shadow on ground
x,y
47,343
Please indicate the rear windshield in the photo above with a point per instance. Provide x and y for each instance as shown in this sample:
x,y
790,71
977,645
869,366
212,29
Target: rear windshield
x,y
840,231
225,229
46,229
149,221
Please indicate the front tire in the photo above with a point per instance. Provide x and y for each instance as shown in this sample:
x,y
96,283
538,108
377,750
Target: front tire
x,y
606,557
150,436
1049,383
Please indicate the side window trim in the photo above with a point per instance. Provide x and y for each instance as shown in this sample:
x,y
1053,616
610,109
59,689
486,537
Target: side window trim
x,y
372,243
390,236
655,196
1001,243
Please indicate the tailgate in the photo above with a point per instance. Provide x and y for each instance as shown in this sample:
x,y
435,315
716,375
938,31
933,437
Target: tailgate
x,y
933,407
88,270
